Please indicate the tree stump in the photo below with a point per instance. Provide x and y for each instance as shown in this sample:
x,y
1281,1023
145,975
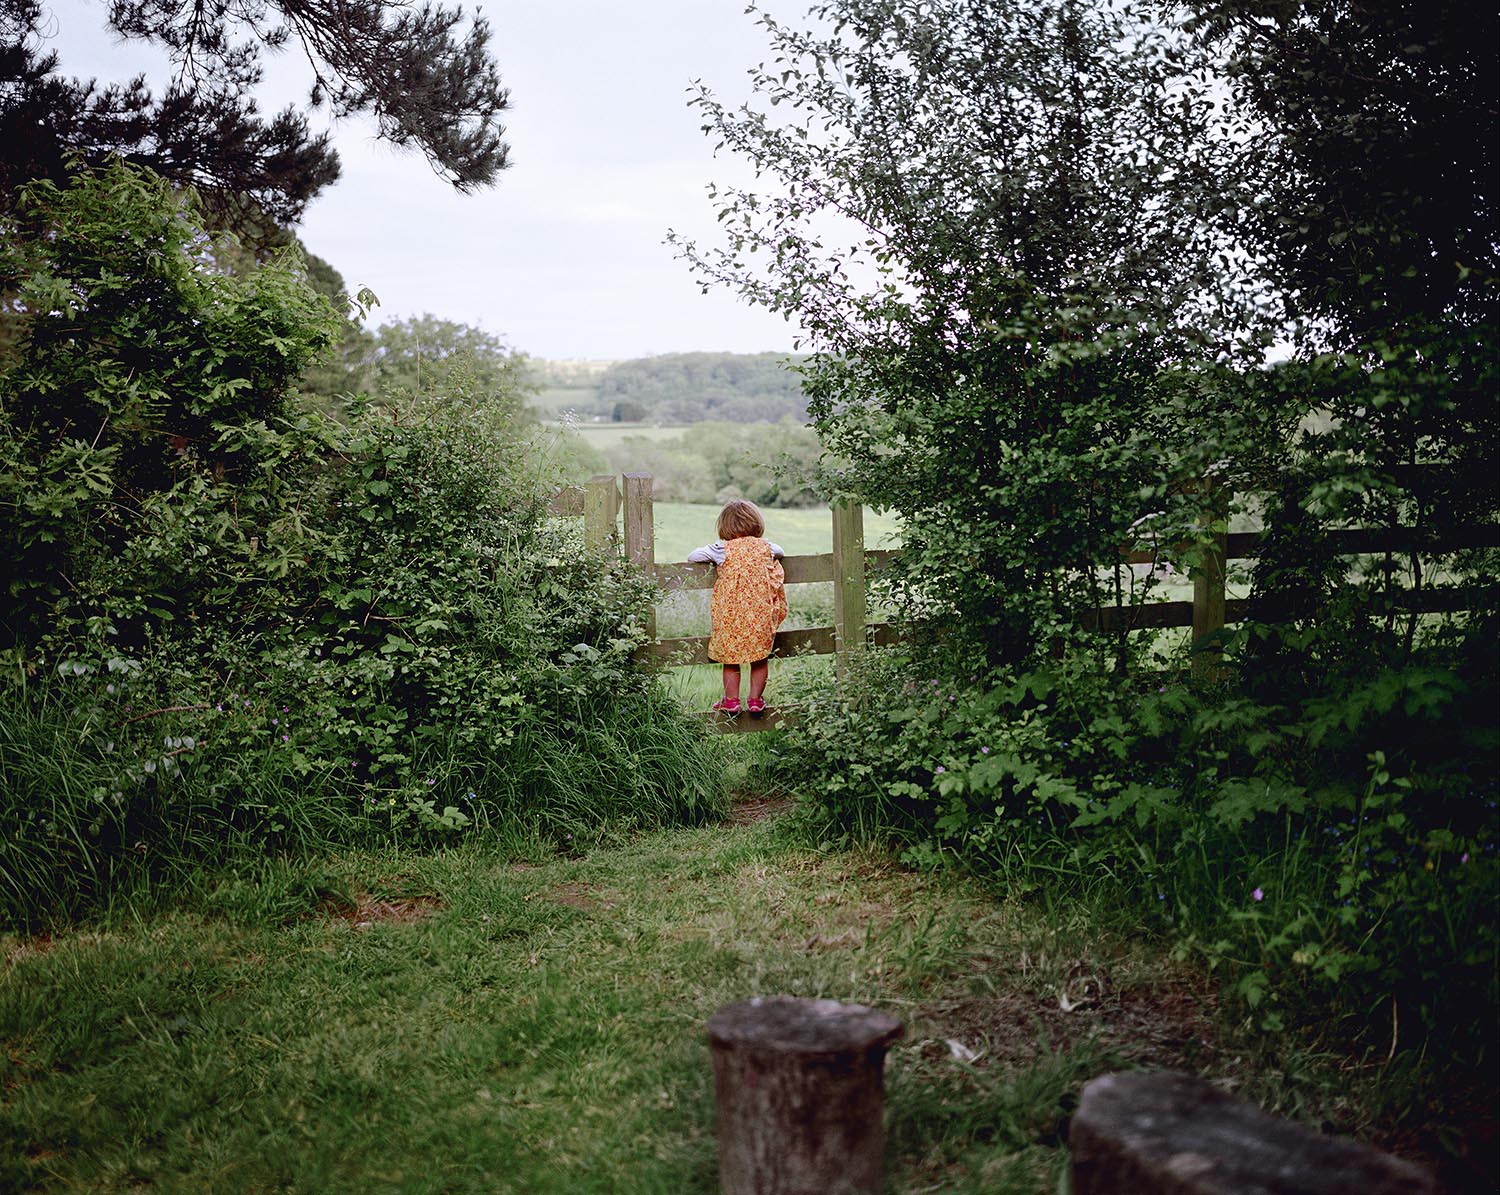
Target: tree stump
x,y
800,1091
1164,1133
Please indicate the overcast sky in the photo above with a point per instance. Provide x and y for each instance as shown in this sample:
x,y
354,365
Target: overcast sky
x,y
564,257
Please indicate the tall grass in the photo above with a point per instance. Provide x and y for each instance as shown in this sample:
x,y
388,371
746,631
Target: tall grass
x,y
633,762
94,808
89,810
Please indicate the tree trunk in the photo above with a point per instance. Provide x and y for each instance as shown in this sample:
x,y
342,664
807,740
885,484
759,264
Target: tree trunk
x,y
800,1094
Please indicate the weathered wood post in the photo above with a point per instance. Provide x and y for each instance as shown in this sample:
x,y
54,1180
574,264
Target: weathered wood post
x,y
1208,586
601,510
800,1091
848,581
1165,1133
640,532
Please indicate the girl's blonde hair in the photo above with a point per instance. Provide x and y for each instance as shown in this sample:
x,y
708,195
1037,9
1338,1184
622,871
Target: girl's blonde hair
x,y
739,519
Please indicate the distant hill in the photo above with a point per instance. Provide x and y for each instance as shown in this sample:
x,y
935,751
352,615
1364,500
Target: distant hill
x,y
675,388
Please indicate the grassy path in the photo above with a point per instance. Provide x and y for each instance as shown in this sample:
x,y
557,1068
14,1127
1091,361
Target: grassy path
x,y
461,1022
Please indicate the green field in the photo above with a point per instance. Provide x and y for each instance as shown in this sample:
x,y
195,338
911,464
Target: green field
x,y
683,526
552,401
605,436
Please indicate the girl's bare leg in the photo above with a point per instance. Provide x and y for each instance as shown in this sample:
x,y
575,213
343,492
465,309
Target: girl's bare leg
x,y
758,673
732,681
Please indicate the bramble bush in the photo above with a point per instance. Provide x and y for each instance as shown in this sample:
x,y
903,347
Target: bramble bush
x,y
1326,853
237,625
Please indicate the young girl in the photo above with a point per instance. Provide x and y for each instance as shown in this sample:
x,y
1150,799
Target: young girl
x,y
748,605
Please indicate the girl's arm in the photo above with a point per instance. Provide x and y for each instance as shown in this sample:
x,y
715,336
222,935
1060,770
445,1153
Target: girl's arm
x,y
708,554
775,549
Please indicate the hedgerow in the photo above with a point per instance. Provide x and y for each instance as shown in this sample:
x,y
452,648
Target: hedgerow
x,y
234,624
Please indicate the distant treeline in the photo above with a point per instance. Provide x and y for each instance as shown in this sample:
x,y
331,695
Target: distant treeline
x,y
772,465
679,388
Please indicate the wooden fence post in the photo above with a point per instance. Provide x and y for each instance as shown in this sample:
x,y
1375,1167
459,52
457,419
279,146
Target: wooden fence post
x,y
601,510
640,532
1208,586
800,1091
848,581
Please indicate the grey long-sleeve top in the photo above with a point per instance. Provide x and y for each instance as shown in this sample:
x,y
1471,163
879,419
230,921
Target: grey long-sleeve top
x,y
714,553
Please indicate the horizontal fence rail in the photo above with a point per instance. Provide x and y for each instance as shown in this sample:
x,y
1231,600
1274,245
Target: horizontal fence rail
x,y
800,570
1377,541
1349,541
604,500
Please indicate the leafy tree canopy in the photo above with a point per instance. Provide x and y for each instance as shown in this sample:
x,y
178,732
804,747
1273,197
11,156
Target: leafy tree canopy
x,y
1375,214
441,359
690,387
421,71
1378,160
135,371
998,224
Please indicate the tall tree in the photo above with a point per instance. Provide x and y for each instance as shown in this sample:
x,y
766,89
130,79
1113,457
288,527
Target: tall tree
x,y
1380,121
1377,218
422,72
428,357
993,222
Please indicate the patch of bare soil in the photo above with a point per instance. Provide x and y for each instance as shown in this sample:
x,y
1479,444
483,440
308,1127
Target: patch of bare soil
x,y
29,948
368,910
748,808
1169,1026
575,896
19,949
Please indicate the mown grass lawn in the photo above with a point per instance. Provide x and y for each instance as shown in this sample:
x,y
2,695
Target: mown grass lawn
x,y
462,1021
465,1022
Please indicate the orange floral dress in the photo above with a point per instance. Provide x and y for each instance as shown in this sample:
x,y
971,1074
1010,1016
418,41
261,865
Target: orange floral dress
x,y
749,602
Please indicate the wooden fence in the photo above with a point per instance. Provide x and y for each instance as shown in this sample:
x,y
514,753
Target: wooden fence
x,y
602,501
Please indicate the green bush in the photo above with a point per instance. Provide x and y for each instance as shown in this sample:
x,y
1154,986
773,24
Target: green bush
x,y
1336,850
396,639
234,625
